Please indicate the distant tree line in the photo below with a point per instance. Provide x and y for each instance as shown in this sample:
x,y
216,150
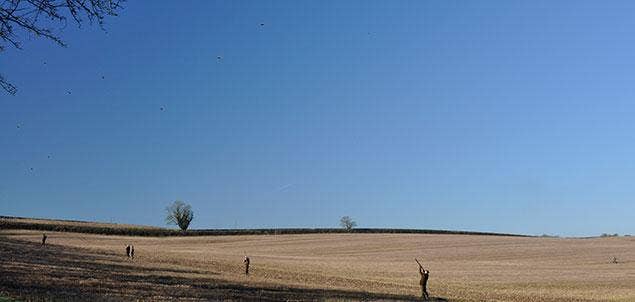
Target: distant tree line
x,y
16,224
181,214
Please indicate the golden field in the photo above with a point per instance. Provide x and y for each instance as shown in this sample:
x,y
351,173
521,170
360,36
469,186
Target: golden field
x,y
463,267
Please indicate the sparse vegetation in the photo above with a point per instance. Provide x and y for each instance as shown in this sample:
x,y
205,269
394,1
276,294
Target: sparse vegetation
x,y
180,213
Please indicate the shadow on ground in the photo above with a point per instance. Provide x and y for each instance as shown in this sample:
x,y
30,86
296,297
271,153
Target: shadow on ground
x,y
29,271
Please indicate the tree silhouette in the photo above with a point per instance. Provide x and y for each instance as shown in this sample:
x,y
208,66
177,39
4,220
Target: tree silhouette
x,y
179,213
347,223
37,17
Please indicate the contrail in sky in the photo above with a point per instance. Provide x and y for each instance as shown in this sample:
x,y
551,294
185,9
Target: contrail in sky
x,y
284,188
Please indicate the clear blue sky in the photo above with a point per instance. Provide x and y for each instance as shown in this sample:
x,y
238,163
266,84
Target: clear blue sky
x,y
506,116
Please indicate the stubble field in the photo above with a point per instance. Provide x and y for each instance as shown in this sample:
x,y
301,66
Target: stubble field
x,y
318,266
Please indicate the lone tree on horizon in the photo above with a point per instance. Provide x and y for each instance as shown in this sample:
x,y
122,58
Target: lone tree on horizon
x,y
347,223
36,17
179,213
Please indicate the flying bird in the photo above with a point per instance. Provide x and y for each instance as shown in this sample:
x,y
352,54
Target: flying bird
x,y
68,92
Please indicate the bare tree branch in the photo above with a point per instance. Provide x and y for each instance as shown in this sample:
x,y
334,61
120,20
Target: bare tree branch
x,y
8,87
38,17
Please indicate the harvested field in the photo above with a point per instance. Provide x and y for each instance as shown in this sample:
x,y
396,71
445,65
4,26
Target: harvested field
x,y
317,266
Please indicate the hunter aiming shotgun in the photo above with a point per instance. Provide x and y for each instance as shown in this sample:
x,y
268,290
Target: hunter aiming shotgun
x,y
423,281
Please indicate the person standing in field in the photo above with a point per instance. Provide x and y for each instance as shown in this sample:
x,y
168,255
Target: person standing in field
x,y
425,274
246,262
44,239
128,251
132,252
